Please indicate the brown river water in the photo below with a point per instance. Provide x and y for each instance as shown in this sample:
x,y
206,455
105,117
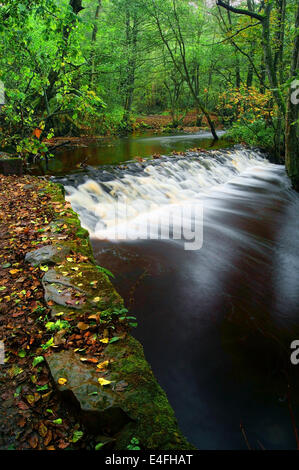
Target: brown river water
x,y
216,323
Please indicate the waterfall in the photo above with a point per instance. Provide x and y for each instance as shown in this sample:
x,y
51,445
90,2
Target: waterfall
x,y
135,195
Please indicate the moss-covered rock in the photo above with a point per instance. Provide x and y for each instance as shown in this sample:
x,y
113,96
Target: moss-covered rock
x,y
100,408
48,254
151,418
132,404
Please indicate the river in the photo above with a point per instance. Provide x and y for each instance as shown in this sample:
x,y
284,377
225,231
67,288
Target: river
x,y
216,322
114,150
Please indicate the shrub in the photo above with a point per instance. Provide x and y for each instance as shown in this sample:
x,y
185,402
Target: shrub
x,y
256,133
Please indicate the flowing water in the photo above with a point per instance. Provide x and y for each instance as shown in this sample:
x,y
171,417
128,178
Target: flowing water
x,y
216,323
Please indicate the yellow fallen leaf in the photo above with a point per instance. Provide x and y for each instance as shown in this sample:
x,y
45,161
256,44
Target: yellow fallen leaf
x,y
103,365
62,381
103,381
30,399
14,271
96,299
104,340
44,268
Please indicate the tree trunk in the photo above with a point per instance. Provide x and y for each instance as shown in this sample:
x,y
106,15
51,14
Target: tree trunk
x,y
292,116
183,70
131,38
93,42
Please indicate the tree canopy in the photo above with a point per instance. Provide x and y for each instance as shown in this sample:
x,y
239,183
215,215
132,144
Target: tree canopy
x,y
72,66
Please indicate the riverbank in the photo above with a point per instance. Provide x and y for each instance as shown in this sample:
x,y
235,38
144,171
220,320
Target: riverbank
x,y
57,307
189,122
157,123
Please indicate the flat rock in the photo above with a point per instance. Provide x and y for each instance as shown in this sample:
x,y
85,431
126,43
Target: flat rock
x,y
133,404
47,255
99,407
61,291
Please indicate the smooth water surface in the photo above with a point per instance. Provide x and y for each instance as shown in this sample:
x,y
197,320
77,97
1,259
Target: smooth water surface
x,y
120,149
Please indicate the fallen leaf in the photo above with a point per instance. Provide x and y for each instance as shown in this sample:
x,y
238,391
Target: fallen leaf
x,y
30,399
103,365
62,381
82,326
21,422
48,438
42,430
103,382
33,441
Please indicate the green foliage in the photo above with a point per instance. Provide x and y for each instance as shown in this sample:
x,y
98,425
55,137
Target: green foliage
x,y
121,314
69,71
99,446
257,133
77,436
58,325
48,344
37,360
134,444
40,62
105,271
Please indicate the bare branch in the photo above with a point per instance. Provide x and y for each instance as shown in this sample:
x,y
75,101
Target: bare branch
x,y
241,11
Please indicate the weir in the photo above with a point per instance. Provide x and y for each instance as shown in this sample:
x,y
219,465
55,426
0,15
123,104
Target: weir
x,y
216,323
136,193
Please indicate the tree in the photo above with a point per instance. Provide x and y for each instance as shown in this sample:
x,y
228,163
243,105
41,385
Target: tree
x,y
292,117
40,60
273,58
171,18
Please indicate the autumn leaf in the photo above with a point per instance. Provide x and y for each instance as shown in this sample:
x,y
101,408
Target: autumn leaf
x,y
48,438
104,340
14,271
82,326
33,441
44,268
62,381
42,430
103,382
30,399
103,365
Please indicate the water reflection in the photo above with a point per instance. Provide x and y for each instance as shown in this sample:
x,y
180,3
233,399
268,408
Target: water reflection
x,y
117,150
